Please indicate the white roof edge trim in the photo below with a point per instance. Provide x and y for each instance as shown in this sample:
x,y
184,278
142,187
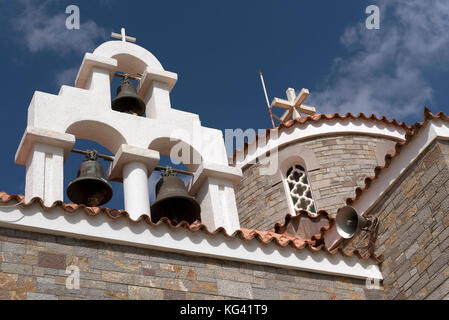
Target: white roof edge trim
x,y
432,130
314,129
101,228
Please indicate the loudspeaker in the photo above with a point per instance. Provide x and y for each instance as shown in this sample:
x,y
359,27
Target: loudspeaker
x,y
348,222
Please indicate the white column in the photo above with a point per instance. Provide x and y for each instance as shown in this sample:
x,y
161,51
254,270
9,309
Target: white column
x,y
158,100
45,174
155,87
132,166
218,206
99,81
99,85
135,189
96,72
43,152
213,187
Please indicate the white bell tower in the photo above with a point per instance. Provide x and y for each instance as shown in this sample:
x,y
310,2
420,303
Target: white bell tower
x,y
84,112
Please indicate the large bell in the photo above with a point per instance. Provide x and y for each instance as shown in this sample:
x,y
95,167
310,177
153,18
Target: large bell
x,y
173,201
127,100
90,187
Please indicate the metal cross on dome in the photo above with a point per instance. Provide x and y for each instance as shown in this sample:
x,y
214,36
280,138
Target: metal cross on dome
x,y
123,36
294,105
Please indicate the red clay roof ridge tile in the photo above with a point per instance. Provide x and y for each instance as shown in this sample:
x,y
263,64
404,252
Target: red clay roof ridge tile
x,y
281,228
411,133
318,117
316,243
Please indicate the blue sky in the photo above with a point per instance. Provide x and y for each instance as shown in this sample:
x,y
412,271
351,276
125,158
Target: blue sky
x,y
217,49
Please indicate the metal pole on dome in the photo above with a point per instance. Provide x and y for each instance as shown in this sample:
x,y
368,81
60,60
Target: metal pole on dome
x,y
266,97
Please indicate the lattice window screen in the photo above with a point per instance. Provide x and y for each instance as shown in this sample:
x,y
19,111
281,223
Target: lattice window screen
x,y
299,188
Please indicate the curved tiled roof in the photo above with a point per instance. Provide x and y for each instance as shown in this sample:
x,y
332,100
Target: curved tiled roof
x,y
316,232
324,117
360,116
264,237
411,133
318,238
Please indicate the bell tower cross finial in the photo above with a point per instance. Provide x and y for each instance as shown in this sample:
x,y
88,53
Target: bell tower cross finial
x,y
123,36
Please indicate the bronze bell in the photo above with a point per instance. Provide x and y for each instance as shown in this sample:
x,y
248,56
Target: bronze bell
x,y
127,100
173,201
90,187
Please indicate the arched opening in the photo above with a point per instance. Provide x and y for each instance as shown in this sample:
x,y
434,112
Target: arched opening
x,y
94,135
178,151
297,185
131,57
173,201
73,163
130,64
97,132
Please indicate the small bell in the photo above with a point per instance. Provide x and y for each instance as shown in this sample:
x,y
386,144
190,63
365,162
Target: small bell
x,y
127,100
90,187
173,201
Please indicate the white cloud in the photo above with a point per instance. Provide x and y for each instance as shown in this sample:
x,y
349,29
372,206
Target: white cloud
x,y
67,77
385,70
43,30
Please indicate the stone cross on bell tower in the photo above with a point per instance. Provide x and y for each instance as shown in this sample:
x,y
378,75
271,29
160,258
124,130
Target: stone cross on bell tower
x,y
122,36
294,105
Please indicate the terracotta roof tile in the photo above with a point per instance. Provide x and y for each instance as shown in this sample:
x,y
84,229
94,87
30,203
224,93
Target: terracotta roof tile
x,y
315,234
414,129
306,225
264,237
325,117
362,116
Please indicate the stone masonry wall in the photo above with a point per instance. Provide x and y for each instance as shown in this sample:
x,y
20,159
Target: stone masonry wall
x,y
33,266
344,162
261,202
414,230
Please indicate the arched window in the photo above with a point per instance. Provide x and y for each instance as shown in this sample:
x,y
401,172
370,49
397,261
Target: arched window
x,y
299,190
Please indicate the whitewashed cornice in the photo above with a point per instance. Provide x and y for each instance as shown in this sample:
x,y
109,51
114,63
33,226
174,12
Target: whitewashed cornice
x,y
299,132
161,237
